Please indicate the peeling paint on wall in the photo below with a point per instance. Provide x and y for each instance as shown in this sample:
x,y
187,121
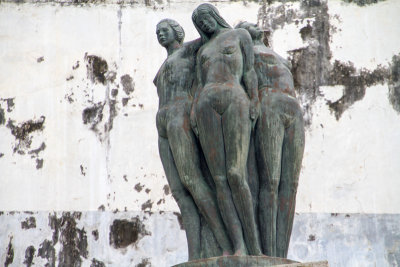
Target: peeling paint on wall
x,y
394,84
29,254
10,254
124,233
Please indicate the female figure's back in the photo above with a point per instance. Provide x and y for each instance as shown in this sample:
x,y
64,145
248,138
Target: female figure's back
x,y
279,143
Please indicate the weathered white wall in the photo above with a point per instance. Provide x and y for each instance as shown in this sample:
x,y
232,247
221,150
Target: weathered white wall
x,y
350,163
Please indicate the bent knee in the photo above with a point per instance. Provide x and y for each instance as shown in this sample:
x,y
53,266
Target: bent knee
x,y
271,186
236,178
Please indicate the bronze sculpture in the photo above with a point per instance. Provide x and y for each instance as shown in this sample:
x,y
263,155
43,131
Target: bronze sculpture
x,y
232,85
223,113
279,142
177,144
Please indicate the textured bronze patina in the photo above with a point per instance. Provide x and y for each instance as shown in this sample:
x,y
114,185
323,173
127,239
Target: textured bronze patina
x,y
231,138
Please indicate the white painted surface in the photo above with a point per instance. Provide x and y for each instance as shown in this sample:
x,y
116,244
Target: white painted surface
x,y
350,165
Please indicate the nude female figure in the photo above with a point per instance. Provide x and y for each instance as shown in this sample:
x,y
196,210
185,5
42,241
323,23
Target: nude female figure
x,y
223,113
177,144
279,142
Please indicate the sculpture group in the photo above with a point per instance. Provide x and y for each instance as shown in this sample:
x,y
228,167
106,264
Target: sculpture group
x,y
231,137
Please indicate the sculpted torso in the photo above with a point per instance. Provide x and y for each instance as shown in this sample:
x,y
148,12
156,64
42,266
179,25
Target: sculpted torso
x,y
221,59
175,77
279,78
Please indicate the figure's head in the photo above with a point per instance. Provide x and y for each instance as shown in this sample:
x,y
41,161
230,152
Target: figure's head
x,y
207,19
253,29
168,31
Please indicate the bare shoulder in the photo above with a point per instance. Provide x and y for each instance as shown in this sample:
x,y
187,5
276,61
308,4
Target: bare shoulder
x,y
243,34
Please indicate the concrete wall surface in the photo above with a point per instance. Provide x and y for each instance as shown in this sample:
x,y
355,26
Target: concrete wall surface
x,y
81,179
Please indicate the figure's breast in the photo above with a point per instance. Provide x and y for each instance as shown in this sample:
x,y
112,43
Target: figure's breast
x,y
220,58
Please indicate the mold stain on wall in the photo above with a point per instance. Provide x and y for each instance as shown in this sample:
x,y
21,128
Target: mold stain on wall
x,y
311,65
127,232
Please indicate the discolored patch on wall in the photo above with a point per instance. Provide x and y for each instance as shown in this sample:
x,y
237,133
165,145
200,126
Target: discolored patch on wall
x,y
363,2
9,253
47,251
394,83
29,254
355,83
311,66
144,263
147,206
166,190
96,68
97,263
126,232
22,132
93,115
138,187
29,223
95,234
127,84
73,241
2,116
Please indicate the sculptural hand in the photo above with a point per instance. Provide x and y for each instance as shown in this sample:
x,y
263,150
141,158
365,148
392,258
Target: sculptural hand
x,y
254,110
193,122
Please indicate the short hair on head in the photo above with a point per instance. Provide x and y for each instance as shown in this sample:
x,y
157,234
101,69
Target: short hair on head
x,y
178,30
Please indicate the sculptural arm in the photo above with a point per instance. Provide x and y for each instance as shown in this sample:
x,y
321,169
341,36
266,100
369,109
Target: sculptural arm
x,y
249,78
197,84
192,47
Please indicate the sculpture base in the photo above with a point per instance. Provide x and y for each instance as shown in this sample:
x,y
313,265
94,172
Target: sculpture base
x,y
249,261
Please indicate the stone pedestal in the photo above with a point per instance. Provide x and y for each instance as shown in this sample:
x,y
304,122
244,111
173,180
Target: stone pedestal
x,y
249,261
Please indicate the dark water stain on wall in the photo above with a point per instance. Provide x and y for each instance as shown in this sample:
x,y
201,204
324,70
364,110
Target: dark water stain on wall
x,y
96,68
127,84
22,133
394,83
47,251
166,190
363,2
38,150
95,234
138,187
355,83
73,241
29,223
97,263
93,115
126,232
39,163
147,205
311,66
9,254
144,263
29,254
2,116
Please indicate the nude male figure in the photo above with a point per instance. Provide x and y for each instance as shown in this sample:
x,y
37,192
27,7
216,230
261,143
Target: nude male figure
x,y
177,144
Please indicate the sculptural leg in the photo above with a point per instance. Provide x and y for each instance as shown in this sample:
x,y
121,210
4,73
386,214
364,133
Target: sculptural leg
x,y
236,132
269,139
292,155
186,156
212,142
189,212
